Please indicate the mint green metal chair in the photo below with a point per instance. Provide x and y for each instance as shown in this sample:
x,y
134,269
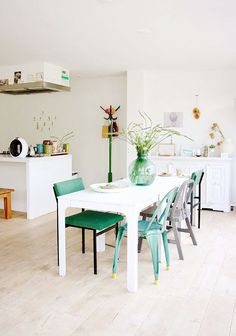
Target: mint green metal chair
x,y
178,213
97,221
150,230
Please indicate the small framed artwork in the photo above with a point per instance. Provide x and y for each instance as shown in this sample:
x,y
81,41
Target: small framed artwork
x,y
186,152
166,149
173,119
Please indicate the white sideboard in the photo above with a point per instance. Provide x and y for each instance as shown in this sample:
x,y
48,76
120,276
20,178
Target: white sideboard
x,y
32,179
216,184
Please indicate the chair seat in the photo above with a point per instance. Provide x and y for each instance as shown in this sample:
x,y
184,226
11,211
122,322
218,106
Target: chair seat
x,y
177,215
94,220
142,225
149,211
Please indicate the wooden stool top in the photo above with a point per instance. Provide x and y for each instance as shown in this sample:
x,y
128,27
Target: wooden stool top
x,y
5,191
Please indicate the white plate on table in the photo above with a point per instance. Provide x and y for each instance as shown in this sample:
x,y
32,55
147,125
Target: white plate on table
x,y
112,187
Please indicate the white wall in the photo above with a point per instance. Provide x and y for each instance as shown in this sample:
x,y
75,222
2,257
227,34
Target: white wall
x,y
176,93
153,92
135,103
78,111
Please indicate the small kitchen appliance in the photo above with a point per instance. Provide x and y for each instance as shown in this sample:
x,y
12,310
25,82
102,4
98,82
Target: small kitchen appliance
x,y
18,148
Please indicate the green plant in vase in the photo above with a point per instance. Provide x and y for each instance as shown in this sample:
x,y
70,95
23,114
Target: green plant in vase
x,y
145,136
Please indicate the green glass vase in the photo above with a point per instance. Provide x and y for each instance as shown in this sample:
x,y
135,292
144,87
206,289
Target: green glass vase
x,y
142,171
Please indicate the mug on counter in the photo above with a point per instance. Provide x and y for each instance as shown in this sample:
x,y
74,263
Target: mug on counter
x,y
39,148
66,148
47,149
54,146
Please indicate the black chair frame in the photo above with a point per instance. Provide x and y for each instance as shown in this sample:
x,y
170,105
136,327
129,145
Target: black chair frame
x,y
197,204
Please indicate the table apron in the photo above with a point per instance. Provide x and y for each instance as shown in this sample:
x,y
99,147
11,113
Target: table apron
x,y
101,206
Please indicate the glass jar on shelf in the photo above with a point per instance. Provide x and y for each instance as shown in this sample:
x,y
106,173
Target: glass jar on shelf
x,y
212,151
205,151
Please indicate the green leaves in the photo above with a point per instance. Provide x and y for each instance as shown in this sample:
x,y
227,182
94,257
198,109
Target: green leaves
x,y
144,136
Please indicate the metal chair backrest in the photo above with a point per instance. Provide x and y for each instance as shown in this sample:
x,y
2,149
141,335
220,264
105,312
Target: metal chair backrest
x,y
182,198
189,193
162,210
197,177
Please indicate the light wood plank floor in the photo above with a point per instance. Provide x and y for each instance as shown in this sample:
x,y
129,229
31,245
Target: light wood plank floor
x,y
196,297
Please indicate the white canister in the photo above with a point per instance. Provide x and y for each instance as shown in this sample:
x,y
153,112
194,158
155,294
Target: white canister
x,y
171,169
54,146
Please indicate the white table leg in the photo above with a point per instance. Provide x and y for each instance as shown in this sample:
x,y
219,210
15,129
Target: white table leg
x,y
132,251
101,243
62,240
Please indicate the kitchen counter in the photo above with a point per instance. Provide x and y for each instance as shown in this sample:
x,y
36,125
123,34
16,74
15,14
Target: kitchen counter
x,y
9,158
32,178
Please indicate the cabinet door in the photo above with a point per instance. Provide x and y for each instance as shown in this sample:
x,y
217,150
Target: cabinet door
x,y
215,184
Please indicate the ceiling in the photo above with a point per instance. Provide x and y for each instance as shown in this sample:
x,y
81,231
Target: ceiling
x,y
102,37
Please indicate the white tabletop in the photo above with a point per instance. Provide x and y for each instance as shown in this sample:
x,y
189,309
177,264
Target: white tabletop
x,y
138,196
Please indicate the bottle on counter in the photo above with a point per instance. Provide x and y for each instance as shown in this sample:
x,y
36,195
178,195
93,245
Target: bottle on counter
x,y
31,151
205,151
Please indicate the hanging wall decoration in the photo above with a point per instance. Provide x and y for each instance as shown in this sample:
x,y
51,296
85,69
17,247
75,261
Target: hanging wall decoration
x,y
109,130
196,111
44,122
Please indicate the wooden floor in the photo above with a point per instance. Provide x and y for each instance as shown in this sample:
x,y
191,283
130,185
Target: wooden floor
x,y
196,297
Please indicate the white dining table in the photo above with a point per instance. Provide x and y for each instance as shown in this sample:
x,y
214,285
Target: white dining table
x,y
129,202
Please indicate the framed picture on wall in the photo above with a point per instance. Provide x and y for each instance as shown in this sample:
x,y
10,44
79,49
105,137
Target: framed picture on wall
x,y
173,119
166,149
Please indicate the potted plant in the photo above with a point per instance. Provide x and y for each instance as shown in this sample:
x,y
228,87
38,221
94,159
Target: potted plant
x,y
144,136
224,144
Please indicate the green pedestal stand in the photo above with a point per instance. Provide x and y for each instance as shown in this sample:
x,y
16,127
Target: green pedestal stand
x,y
110,111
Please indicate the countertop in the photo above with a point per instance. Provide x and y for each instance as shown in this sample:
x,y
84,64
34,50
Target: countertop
x,y
9,158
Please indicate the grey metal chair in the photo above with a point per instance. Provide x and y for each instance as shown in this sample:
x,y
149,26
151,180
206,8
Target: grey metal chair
x,y
178,213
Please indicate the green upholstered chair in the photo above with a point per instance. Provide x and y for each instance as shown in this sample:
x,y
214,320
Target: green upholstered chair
x,y
97,221
195,199
150,230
